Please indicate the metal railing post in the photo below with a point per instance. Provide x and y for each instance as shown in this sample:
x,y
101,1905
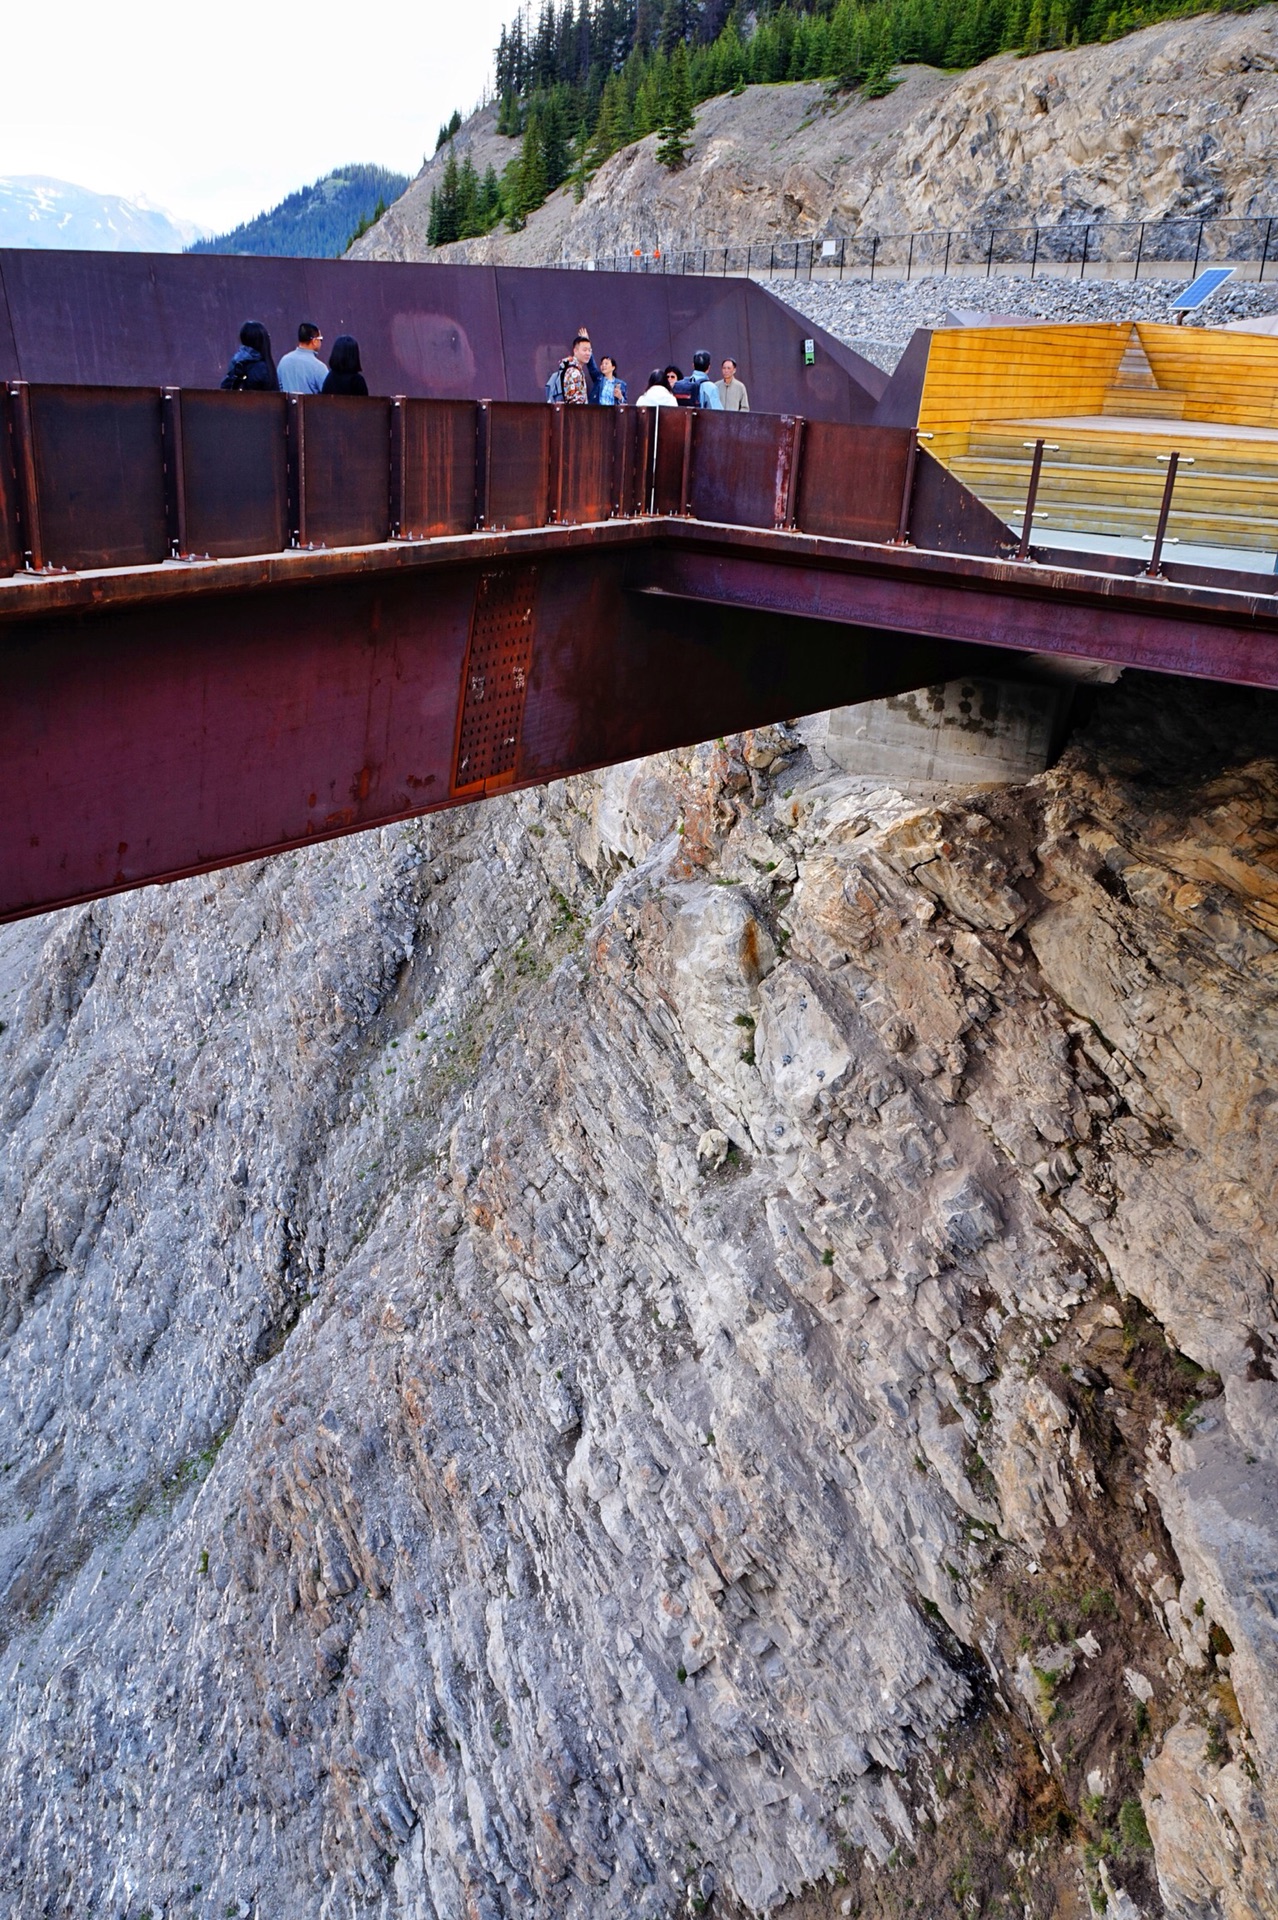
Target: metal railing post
x,y
907,493
398,465
1031,497
174,469
483,463
28,492
297,467
785,492
685,478
1156,557
556,454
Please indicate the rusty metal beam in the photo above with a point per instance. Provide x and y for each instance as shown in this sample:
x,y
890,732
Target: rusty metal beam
x,y
154,740
1208,633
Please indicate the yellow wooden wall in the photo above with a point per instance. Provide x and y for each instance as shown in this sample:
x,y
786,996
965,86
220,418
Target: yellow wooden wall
x,y
1014,373
1227,377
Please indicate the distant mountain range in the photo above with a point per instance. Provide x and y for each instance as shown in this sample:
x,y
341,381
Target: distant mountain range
x,y
317,222
36,212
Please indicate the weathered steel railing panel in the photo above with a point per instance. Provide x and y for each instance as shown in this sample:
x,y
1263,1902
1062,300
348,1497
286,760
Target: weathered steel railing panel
x,y
518,460
229,473
585,479
852,480
438,473
98,460
343,462
672,464
735,467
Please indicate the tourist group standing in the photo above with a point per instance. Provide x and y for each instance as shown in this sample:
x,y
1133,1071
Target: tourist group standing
x,y
253,369
578,381
581,381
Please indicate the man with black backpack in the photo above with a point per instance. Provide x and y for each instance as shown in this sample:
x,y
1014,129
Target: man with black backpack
x,y
575,381
697,389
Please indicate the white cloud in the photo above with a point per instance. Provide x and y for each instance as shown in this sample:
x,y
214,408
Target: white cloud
x,y
215,113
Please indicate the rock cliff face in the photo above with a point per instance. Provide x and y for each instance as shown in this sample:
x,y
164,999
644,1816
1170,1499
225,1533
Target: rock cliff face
x,y
1180,119
700,1341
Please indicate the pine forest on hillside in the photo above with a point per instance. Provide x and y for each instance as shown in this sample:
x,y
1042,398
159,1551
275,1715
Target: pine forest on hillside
x,y
317,222
582,81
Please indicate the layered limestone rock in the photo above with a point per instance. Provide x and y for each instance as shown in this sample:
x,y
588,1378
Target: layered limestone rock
x,y
1178,120
697,1341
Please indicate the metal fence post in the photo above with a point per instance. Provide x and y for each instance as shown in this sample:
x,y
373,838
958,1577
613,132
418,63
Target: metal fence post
x,y
1034,257
772,258
874,254
1269,227
1198,249
842,243
1087,235
989,257
945,269
1140,248
909,264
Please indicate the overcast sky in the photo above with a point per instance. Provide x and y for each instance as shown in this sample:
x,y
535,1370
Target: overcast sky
x,y
217,112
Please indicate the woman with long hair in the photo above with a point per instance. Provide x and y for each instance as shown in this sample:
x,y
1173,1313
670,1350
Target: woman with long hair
x,y
252,368
344,372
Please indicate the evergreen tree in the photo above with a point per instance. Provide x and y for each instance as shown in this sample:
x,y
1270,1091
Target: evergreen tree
x,y
674,25
1013,27
646,114
468,222
554,141
613,127
445,223
677,117
1035,28
531,179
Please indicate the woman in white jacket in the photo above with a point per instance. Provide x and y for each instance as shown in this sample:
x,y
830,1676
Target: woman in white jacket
x,y
657,393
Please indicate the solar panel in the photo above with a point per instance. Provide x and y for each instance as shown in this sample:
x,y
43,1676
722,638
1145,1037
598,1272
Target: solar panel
x,y
1201,289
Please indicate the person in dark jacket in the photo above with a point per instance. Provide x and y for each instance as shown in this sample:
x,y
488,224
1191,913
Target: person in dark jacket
x,y
252,368
344,374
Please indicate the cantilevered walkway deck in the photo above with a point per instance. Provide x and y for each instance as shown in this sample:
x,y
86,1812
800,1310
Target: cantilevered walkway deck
x,y
233,624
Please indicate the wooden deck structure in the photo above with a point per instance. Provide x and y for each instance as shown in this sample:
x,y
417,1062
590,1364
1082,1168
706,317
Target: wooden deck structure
x,y
1111,404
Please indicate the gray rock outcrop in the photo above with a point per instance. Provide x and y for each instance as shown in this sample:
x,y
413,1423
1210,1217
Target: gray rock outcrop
x,y
649,1346
1177,120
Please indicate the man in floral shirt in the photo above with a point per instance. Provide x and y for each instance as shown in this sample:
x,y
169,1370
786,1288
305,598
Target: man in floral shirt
x,y
578,375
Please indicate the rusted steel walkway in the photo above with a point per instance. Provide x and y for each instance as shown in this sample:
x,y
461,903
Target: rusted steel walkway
x,y
233,624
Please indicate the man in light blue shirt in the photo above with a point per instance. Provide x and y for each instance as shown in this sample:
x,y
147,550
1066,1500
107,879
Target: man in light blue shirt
x,y
302,371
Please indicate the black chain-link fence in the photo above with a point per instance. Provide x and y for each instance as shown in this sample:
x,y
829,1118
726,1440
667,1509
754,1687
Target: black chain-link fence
x,y
1109,249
